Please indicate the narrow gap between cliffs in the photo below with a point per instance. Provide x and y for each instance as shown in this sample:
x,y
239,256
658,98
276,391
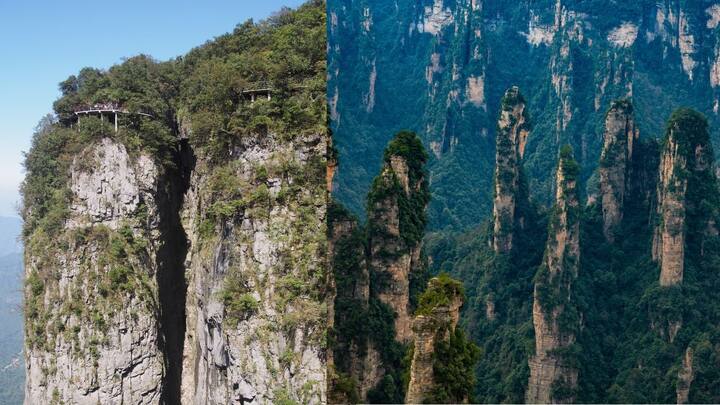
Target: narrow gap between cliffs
x,y
172,286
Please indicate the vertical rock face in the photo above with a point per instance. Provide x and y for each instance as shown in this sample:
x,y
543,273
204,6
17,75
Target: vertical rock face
x,y
669,239
92,333
687,155
256,311
455,60
357,356
618,139
685,377
396,220
551,379
512,133
386,215
432,324
378,270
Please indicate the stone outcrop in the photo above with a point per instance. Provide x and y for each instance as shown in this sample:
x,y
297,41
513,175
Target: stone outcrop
x,y
431,325
512,132
685,377
92,330
615,163
549,373
687,155
256,310
669,239
177,248
394,252
358,359
388,253
114,325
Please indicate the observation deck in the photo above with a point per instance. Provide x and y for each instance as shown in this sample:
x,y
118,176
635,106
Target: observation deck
x,y
259,90
111,110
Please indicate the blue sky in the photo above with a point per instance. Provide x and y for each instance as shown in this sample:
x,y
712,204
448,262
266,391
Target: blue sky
x,y
44,42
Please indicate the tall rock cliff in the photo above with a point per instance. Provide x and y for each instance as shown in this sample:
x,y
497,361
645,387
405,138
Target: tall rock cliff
x,y
454,59
435,322
379,271
177,248
93,323
255,309
512,133
615,164
685,170
352,372
396,206
555,318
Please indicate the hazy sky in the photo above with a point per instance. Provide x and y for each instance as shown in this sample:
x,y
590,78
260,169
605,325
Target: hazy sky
x,y
42,42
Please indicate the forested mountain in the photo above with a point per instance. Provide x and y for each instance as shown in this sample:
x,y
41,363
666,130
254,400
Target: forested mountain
x,y
394,335
571,176
175,225
440,68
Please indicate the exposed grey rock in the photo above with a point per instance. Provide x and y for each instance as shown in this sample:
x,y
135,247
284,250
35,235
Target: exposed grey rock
x,y
107,350
275,351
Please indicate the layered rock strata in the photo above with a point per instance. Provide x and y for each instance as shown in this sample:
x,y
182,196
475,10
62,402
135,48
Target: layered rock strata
x,y
686,161
393,252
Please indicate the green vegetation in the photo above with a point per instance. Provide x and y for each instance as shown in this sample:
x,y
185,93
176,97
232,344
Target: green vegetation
x,y
190,113
498,310
387,198
285,53
412,204
454,356
554,286
454,361
350,272
633,332
441,291
612,279
359,258
240,304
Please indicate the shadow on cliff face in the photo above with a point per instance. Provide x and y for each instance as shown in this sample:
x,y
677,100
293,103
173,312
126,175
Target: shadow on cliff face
x,y
172,286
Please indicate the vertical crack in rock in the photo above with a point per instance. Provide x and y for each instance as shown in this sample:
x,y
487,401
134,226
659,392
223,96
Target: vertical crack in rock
x,y
172,286
256,309
107,289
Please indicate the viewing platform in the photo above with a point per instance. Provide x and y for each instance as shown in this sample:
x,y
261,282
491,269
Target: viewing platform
x,y
111,110
259,90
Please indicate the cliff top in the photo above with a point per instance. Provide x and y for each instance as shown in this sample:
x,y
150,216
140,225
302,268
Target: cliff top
x,y
689,128
441,291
